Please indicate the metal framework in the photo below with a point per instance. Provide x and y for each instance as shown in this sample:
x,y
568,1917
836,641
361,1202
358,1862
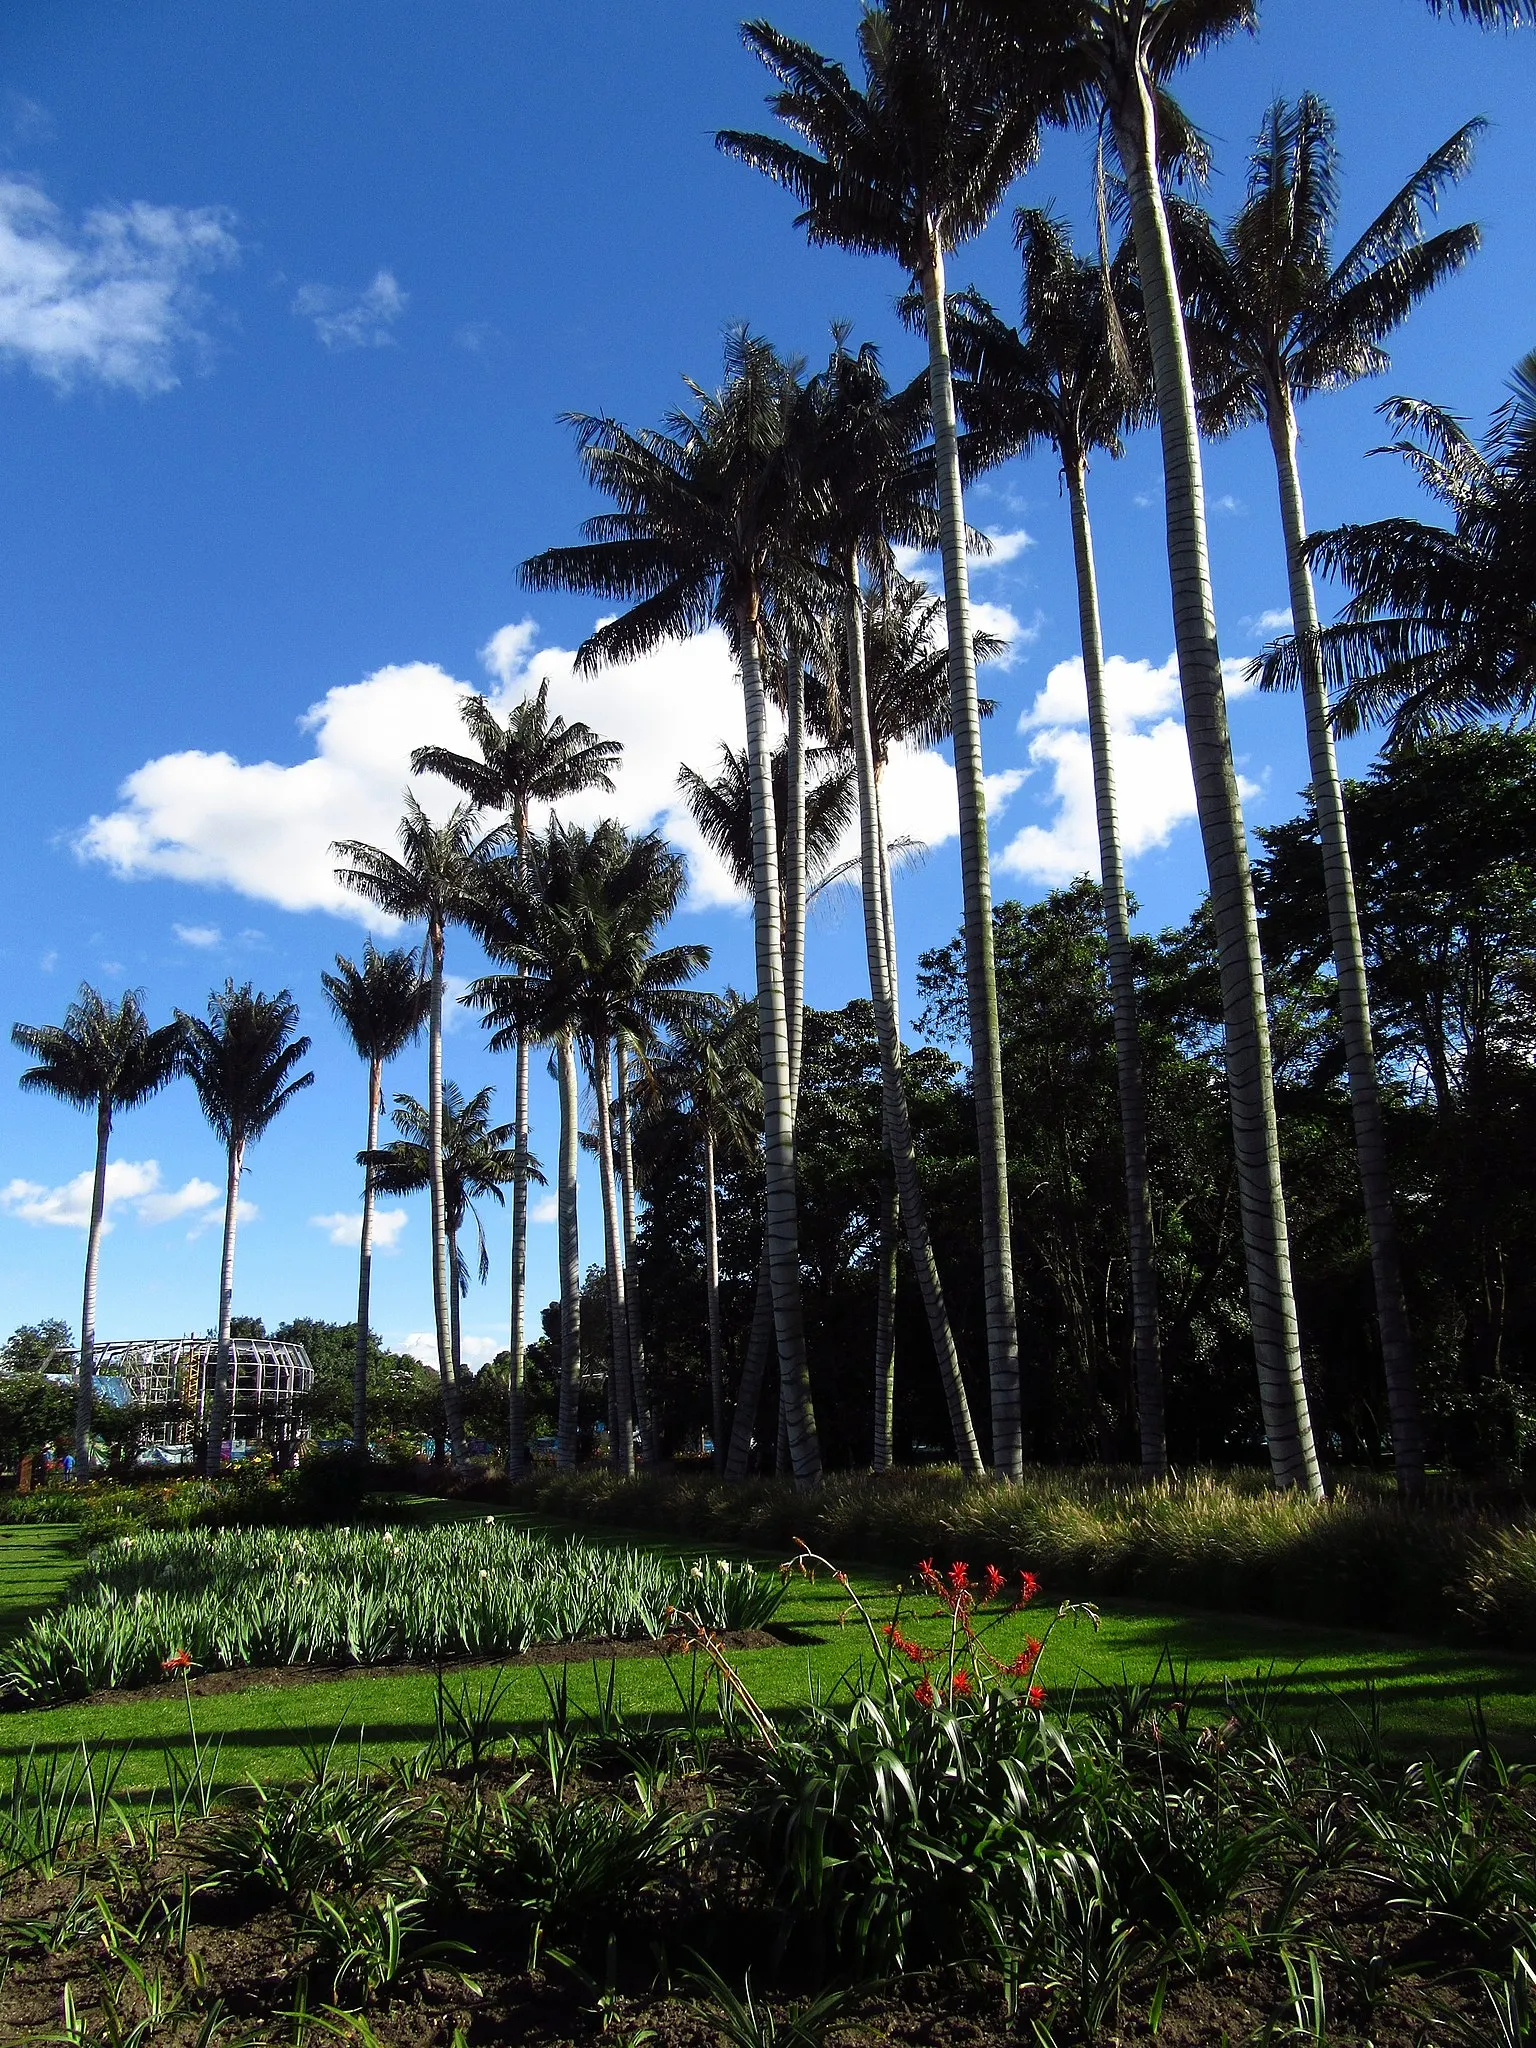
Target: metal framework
x,y
168,1379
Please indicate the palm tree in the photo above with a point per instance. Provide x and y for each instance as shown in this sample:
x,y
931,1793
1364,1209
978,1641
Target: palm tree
x,y
873,500
910,166
1488,13
103,1057
1441,629
434,880
380,1006
1064,379
1273,319
531,759
710,526
703,1082
1110,60
478,1160
241,1062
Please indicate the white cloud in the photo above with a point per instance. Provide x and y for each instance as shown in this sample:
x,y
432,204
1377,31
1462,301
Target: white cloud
x,y
362,319
130,1183
544,1209
345,1227
1006,547
1153,784
477,1351
109,299
1268,624
198,934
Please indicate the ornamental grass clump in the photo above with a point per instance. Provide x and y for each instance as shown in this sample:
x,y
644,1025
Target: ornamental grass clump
x,y
235,1598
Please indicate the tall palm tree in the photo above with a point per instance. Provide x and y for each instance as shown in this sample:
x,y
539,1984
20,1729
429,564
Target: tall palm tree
x,y
1109,61
1065,379
710,526
1274,318
241,1061
1488,13
381,1007
910,165
434,880
479,1159
869,439
105,1057
1441,629
531,759
702,1081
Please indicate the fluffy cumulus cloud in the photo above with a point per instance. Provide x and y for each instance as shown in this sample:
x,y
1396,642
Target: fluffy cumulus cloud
x,y
477,1351
265,828
344,320
131,1184
201,935
109,298
345,1227
1153,784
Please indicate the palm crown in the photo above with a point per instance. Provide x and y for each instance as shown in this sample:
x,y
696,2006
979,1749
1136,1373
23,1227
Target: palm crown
x,y
434,875
381,1005
104,1055
722,809
531,759
242,1059
478,1159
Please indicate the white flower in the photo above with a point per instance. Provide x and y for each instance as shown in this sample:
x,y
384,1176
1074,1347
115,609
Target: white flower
x,y
725,1566
489,1520
697,1572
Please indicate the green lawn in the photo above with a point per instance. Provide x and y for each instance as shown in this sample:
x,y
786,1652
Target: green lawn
x,y
1425,1694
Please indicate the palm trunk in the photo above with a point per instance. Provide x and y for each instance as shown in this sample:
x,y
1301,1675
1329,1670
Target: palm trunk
x,y
85,1381
645,1420
621,1449
1349,968
712,1303
570,1259
365,1271
898,1121
454,1313
795,878
517,1426
1146,1358
221,1384
442,1281
749,1391
976,884
1250,1078
885,1325
781,1221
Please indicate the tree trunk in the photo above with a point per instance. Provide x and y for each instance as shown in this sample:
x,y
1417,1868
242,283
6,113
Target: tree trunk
x,y
454,1313
1146,1361
1349,969
712,1303
781,1220
976,884
1250,1079
442,1281
795,877
570,1259
749,1391
898,1121
621,1449
517,1427
885,1324
85,1379
221,1383
645,1419
365,1272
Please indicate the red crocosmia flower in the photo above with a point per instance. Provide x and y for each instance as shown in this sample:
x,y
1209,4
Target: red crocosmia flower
x,y
960,1685
1029,1586
993,1583
922,1692
1024,1663
931,1581
959,1577
179,1660
1037,1695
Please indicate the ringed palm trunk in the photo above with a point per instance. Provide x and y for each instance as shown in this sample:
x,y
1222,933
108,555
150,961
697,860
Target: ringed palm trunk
x,y
749,1390
1250,1077
517,1425
443,1282
85,1382
455,1313
781,1222
795,879
898,1122
885,1324
621,1371
570,1257
1403,1405
712,1303
645,1420
221,1382
1146,1357
365,1271
976,882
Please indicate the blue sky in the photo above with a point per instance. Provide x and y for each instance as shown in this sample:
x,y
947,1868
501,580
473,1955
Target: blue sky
x,y
290,300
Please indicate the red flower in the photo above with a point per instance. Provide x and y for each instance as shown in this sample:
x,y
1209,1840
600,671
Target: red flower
x,y
960,1685
179,1660
932,1583
1029,1586
959,1577
993,1583
922,1692
1037,1695
1024,1663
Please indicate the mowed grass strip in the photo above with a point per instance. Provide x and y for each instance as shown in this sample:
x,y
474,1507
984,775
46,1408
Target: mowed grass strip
x,y
1425,1696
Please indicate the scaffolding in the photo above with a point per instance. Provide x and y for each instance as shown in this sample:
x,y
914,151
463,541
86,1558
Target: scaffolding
x,y
168,1380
